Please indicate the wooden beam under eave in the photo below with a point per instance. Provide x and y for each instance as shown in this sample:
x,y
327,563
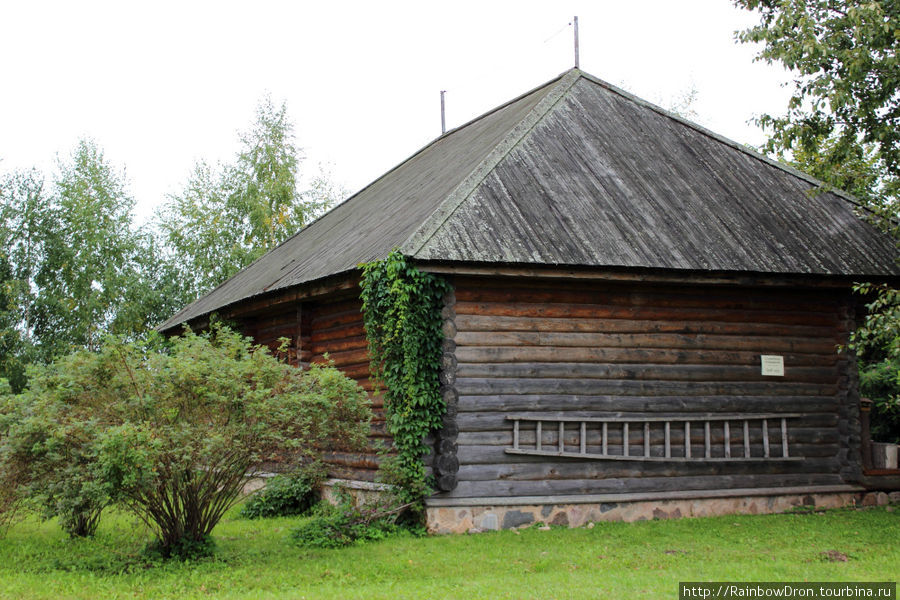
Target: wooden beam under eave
x,y
693,277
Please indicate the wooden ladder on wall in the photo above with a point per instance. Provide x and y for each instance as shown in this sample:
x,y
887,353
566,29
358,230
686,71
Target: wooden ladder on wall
x,y
653,452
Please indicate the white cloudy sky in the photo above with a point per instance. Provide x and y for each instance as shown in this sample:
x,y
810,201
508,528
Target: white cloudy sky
x,y
161,84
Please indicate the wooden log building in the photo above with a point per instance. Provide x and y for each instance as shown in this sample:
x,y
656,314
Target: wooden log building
x,y
644,319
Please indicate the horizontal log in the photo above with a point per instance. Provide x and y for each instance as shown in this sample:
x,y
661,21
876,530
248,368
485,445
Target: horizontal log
x,y
644,372
693,297
635,485
336,305
470,454
591,404
497,421
586,325
348,357
600,311
321,321
342,472
822,429
764,344
530,471
266,323
356,460
602,387
338,333
550,354
339,345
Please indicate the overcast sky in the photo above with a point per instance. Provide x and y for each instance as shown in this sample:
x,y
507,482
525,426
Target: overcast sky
x,y
162,84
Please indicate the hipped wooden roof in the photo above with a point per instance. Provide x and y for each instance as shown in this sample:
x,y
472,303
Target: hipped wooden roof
x,y
579,173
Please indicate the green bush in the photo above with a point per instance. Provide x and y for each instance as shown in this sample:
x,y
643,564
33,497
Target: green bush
x,y
338,526
286,495
880,381
169,429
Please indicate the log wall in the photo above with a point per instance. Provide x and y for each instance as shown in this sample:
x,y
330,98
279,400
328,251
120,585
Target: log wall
x,y
622,350
324,330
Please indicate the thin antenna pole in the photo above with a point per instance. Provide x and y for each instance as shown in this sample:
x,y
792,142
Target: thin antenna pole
x,y
443,120
576,42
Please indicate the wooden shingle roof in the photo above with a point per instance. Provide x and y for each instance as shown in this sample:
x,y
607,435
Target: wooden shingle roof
x,y
579,173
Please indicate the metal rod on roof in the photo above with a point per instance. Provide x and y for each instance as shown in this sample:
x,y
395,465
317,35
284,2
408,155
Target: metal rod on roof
x,y
576,41
443,120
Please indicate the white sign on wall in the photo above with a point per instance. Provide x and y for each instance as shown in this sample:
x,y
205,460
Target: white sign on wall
x,y
772,364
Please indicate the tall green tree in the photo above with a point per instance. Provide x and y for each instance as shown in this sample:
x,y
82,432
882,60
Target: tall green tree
x,y
843,119
24,206
842,125
228,216
89,257
73,266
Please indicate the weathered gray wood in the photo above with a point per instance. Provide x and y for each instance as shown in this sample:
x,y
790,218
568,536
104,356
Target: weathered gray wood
x,y
532,468
626,442
668,426
493,454
562,436
784,438
588,325
583,437
706,440
632,485
538,435
626,456
667,419
630,340
647,438
746,438
687,439
534,385
516,434
706,373
765,437
727,438
503,437
511,403
661,356
605,450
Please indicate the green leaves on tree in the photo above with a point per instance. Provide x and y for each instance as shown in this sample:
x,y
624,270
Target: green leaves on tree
x,y
228,216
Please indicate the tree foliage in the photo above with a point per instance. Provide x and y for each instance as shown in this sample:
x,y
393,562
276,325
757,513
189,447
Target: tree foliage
x,y
72,264
843,119
842,126
170,430
228,216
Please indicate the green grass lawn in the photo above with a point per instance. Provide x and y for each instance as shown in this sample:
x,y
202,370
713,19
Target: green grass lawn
x,y
254,559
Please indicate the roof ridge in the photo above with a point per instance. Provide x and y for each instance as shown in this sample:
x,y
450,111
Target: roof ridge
x,y
561,85
729,142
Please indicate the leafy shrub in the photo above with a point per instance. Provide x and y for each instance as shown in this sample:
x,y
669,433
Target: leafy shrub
x,y
880,381
169,430
338,526
286,495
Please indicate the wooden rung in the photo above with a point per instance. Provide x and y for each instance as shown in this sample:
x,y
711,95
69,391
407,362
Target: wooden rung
x,y
727,441
668,439
746,439
603,439
583,437
687,439
647,439
562,435
537,436
515,435
707,451
784,442
624,439
765,438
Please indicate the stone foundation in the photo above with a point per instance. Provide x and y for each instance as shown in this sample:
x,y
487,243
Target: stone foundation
x,y
463,519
